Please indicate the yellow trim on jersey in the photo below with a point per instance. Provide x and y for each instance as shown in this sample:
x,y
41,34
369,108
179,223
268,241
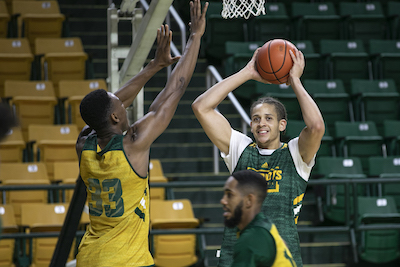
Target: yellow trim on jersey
x,y
298,199
283,256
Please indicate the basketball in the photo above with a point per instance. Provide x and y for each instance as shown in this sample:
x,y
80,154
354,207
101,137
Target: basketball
x,y
274,61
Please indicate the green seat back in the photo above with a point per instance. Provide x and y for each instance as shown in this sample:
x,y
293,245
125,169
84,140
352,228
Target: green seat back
x,y
363,21
315,21
274,24
331,98
345,60
375,100
378,246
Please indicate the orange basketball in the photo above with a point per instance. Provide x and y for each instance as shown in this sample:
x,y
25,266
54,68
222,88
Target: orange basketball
x,y
274,61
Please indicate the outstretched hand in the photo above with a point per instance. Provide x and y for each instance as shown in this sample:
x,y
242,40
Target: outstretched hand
x,y
197,17
298,66
163,53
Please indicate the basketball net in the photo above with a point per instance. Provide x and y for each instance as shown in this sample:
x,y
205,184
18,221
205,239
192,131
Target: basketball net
x,y
242,8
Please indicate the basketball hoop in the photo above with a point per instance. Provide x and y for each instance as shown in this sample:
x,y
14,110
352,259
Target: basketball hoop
x,y
242,8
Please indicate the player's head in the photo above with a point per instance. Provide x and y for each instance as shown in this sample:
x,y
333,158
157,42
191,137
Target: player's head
x,y
101,109
7,120
244,191
268,120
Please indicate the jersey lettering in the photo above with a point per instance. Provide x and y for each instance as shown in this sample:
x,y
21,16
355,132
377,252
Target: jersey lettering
x,y
113,205
272,176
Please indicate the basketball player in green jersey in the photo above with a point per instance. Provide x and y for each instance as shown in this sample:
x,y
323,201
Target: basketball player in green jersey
x,y
114,164
286,167
259,243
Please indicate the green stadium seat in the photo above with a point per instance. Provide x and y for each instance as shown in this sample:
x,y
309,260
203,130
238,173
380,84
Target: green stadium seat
x,y
220,30
332,99
274,24
358,139
393,16
315,21
385,56
339,168
375,100
378,246
363,21
391,133
386,167
345,60
313,68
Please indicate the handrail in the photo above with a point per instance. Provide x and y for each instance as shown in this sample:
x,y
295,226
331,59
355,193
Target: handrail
x,y
213,77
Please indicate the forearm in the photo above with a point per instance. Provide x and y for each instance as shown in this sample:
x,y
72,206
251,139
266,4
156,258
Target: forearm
x,y
128,92
184,69
180,76
210,99
311,114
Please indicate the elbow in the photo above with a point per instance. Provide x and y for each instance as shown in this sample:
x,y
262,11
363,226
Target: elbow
x,y
318,128
196,106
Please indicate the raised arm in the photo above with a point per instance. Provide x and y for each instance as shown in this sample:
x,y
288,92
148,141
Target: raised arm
x,y
163,107
311,136
215,125
128,92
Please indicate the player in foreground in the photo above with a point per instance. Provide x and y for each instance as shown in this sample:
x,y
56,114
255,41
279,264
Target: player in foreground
x,y
286,167
114,165
259,243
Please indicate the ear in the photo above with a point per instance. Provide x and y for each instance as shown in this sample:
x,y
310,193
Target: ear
x,y
114,118
282,125
251,124
250,201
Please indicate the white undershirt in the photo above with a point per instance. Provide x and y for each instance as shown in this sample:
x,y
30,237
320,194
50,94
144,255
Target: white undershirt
x,y
239,142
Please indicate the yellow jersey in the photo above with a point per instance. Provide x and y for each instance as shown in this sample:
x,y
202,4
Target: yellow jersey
x,y
118,201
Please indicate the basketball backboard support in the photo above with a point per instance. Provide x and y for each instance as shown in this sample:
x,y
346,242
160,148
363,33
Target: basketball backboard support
x,y
144,32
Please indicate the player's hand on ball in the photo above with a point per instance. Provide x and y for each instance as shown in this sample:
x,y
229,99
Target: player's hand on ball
x,y
298,66
251,66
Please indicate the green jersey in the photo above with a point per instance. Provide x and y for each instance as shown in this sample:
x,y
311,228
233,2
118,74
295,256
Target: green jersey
x,y
286,175
260,245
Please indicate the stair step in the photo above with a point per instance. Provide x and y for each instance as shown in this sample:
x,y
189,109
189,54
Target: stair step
x,y
182,135
191,93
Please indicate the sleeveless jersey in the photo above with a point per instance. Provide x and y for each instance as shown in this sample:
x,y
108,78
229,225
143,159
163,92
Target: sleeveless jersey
x,y
260,244
118,201
283,202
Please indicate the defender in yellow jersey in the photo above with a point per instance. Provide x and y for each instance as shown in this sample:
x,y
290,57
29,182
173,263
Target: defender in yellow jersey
x,y
114,164
259,243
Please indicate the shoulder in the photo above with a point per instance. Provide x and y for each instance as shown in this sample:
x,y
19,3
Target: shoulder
x,y
257,235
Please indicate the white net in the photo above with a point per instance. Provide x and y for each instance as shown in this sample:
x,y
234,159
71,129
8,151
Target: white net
x,y
242,8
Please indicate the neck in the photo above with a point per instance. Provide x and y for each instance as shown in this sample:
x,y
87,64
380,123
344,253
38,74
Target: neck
x,y
247,217
104,135
270,145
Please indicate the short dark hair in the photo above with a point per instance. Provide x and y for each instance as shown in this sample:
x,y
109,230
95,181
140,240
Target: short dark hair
x,y
279,107
7,120
251,182
95,108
